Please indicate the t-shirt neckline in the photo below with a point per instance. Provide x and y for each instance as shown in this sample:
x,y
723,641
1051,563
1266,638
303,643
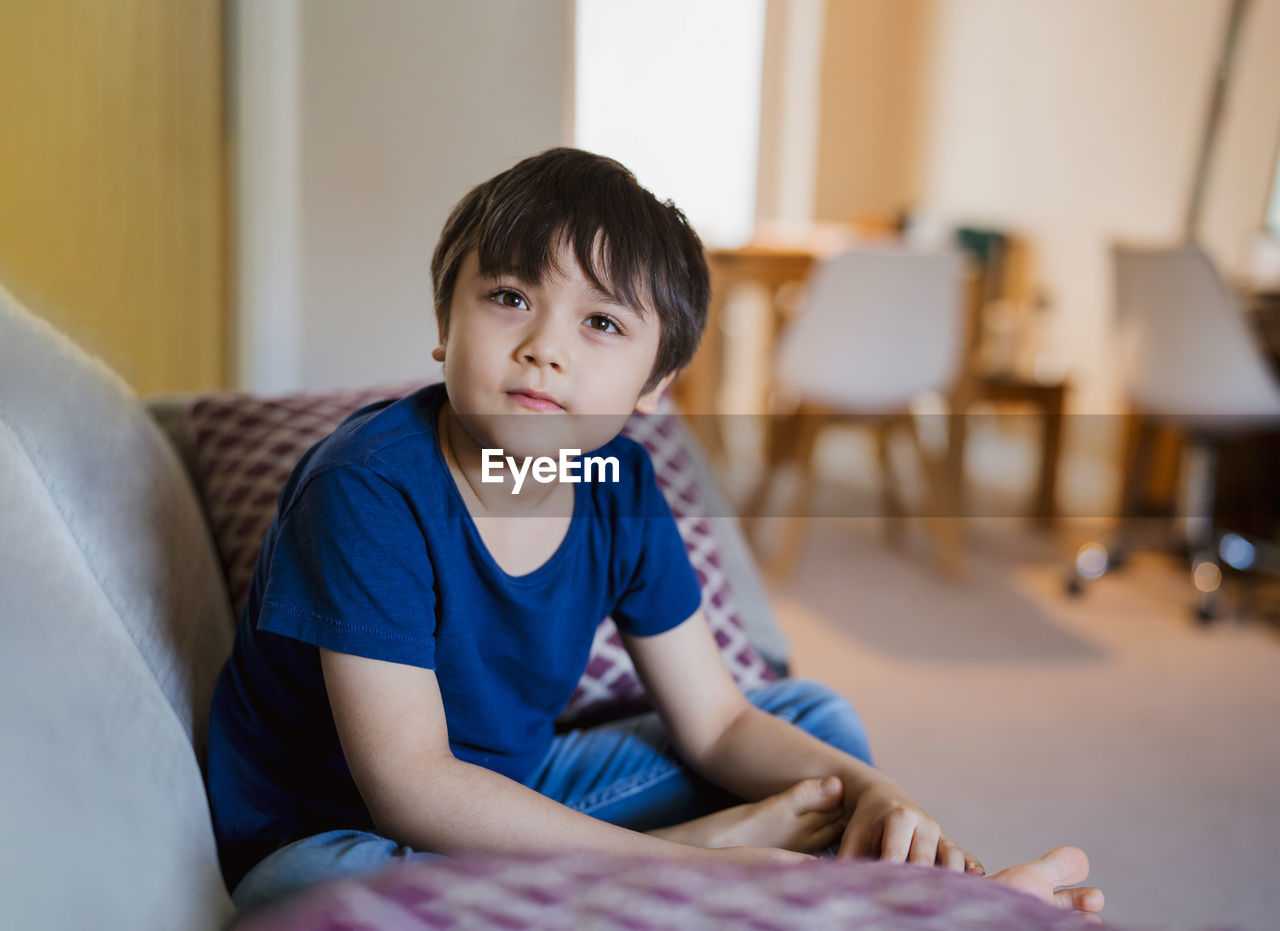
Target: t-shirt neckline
x,y
533,577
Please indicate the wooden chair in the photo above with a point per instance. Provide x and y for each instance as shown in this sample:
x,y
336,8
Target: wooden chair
x,y
880,326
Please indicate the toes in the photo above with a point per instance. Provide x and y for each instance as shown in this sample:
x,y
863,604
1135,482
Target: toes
x,y
1083,899
814,794
823,836
1063,866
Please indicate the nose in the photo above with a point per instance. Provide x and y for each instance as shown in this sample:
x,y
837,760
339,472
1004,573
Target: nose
x,y
543,344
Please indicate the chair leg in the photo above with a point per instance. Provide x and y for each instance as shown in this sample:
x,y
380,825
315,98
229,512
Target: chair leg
x,y
890,499
1199,536
958,403
942,518
808,426
1206,571
779,442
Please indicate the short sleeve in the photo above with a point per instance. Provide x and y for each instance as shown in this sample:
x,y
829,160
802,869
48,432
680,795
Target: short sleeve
x,y
349,570
663,590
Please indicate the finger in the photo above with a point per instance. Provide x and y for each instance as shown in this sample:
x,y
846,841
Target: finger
x,y
1063,866
971,865
899,828
859,840
924,845
950,856
1081,898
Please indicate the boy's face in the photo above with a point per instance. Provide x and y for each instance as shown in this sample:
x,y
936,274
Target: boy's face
x,y
516,353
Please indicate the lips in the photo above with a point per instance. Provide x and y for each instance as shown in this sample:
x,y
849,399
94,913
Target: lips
x,y
534,400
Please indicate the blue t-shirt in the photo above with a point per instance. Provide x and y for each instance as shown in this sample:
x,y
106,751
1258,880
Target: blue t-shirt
x,y
372,552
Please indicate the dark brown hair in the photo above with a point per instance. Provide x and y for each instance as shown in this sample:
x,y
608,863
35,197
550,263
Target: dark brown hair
x,y
640,251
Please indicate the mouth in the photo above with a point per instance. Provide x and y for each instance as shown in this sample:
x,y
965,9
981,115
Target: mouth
x,y
534,400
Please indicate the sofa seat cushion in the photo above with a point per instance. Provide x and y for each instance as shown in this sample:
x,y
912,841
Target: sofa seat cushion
x,y
244,448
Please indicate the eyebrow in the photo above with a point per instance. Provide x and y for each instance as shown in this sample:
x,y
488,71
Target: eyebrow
x,y
614,301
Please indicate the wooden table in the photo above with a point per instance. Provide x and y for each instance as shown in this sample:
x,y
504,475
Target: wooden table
x,y
773,261
697,390
1049,401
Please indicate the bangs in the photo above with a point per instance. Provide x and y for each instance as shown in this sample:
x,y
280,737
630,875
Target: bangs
x,y
527,239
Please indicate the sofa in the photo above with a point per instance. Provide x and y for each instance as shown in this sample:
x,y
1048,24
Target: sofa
x,y
117,614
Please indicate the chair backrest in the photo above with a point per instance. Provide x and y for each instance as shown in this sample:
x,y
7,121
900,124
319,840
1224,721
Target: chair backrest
x,y
880,326
1186,347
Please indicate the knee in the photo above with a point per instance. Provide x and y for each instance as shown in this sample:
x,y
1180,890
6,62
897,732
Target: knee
x,y
795,698
309,861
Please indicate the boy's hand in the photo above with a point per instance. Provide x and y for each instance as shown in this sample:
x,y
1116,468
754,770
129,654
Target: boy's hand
x,y
885,821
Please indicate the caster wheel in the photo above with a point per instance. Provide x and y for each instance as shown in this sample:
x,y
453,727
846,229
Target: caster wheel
x,y
1207,611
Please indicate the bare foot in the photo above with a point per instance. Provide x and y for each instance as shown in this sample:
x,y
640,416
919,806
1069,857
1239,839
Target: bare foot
x,y
1061,866
804,818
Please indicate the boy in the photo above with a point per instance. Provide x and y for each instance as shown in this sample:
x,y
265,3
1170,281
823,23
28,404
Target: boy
x,y
414,627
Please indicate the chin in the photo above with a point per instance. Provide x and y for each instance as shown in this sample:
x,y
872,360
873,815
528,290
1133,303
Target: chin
x,y
548,434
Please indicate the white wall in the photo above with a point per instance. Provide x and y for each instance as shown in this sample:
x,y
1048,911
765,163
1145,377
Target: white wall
x,y
790,95
357,127
1077,122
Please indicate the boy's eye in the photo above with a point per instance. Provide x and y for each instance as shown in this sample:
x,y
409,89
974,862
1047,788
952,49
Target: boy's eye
x,y
603,323
508,298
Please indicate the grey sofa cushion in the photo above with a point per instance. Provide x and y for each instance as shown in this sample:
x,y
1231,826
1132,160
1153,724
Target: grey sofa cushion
x,y
127,503
103,813
758,619
115,622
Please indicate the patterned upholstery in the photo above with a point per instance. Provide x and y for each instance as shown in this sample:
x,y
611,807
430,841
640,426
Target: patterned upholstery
x,y
245,447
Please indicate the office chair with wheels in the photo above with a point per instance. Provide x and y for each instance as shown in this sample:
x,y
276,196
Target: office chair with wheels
x,y
1191,363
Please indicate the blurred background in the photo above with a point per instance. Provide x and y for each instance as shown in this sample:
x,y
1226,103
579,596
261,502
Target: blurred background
x,y
996,312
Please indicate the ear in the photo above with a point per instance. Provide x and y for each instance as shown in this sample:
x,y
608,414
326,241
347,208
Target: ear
x,y
438,353
647,403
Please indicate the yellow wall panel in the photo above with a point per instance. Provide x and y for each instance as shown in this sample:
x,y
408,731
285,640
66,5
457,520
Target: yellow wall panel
x,y
113,181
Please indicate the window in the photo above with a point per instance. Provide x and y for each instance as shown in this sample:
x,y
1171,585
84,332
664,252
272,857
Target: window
x,y
671,88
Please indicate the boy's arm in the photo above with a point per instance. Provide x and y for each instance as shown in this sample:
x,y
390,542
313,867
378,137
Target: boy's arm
x,y
391,722
753,754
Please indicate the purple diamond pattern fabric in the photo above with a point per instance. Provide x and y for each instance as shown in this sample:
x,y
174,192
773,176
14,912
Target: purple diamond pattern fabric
x,y
581,891
245,447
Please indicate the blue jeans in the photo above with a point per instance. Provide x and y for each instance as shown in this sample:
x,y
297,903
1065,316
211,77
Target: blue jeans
x,y
624,772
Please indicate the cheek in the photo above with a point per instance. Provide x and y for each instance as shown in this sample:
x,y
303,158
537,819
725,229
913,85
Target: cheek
x,y
466,359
